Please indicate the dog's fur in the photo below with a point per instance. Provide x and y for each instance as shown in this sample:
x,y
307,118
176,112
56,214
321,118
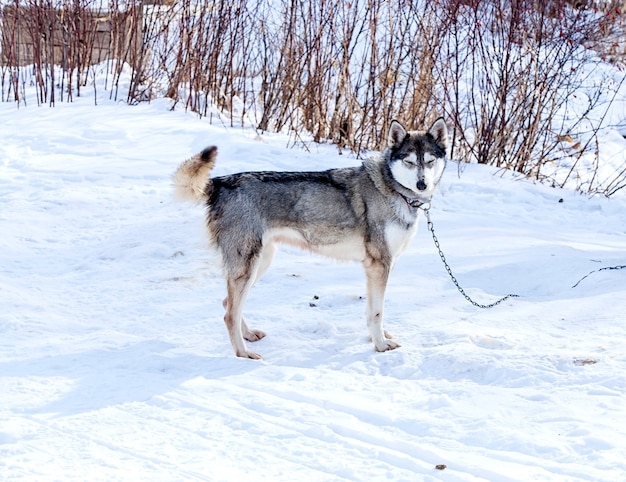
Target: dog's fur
x,y
367,213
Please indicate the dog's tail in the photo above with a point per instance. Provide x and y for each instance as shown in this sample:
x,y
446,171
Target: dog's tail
x,y
191,181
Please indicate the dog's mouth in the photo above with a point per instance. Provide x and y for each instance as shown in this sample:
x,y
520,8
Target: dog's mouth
x,y
422,192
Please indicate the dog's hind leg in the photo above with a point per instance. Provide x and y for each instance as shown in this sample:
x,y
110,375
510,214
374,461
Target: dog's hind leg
x,y
244,264
267,255
248,333
377,274
237,290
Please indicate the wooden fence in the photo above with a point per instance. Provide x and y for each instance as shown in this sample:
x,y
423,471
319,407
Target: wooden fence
x,y
70,38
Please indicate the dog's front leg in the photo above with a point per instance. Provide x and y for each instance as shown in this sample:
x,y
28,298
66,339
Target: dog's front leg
x,y
377,274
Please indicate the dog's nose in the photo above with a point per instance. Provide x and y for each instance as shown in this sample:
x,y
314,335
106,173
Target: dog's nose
x,y
421,185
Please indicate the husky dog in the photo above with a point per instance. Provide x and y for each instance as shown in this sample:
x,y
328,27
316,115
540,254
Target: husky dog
x,y
367,213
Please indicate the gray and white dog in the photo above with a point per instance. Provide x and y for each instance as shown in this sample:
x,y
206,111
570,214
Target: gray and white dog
x,y
367,213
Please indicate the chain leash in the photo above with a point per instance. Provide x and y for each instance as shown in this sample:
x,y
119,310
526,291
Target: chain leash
x,y
597,271
426,208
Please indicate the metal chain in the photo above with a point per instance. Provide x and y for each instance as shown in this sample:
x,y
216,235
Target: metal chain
x,y
445,263
598,270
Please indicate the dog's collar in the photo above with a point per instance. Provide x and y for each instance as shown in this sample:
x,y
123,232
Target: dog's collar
x,y
413,202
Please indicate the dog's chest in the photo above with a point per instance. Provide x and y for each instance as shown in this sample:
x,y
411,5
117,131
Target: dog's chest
x,y
398,237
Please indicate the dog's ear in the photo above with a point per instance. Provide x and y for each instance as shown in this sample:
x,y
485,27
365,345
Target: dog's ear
x,y
439,132
396,135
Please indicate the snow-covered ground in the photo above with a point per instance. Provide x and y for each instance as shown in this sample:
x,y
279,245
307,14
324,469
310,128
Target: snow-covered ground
x,y
115,363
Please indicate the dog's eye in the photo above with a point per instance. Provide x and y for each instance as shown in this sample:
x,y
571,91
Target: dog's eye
x,y
410,160
429,160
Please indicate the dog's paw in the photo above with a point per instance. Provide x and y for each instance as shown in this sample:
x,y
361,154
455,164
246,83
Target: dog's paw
x,y
387,345
249,354
387,335
254,335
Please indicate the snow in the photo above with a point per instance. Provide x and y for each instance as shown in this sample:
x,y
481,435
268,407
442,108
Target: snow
x,y
115,363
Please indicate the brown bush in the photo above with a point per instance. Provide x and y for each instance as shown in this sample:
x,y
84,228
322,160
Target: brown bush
x,y
500,71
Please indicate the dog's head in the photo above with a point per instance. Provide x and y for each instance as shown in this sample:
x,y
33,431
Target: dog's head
x,y
417,158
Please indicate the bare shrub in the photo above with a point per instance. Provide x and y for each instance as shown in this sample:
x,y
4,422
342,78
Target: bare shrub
x,y
519,69
507,74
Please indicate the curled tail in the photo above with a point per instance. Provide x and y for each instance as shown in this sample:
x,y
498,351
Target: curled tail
x,y
191,181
